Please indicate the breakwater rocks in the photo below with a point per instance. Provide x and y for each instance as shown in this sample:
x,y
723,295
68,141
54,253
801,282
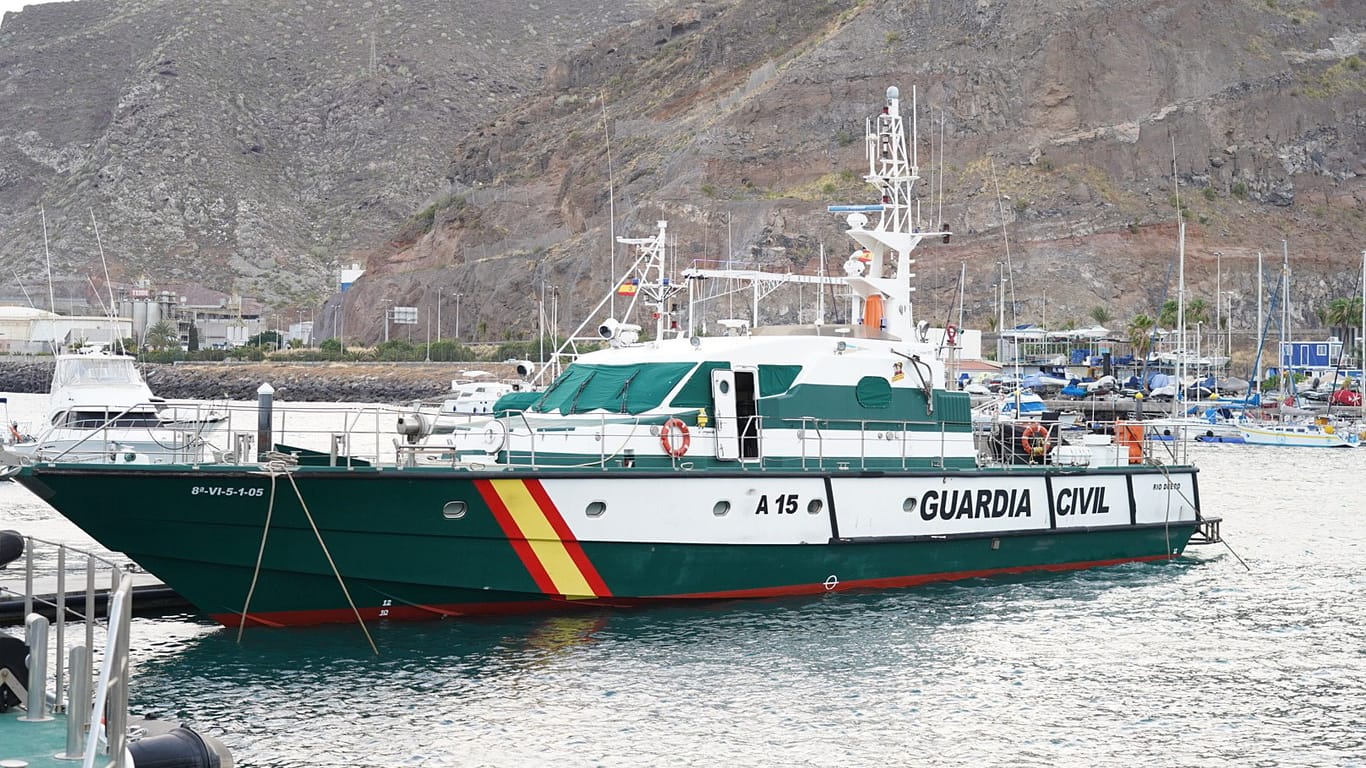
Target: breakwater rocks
x,y
316,382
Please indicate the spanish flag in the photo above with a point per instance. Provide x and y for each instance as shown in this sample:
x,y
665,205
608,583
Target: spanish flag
x,y
628,288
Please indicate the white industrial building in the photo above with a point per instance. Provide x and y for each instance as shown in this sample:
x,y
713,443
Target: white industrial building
x,y
31,331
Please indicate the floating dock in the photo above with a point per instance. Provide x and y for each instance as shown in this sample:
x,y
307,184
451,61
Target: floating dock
x,y
150,598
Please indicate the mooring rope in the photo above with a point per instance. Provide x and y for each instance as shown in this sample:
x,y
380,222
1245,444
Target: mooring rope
x,y
332,564
276,466
260,553
1182,494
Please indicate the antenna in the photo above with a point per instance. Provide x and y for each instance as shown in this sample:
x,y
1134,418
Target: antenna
x,y
27,298
611,207
51,298
941,170
1005,236
820,289
109,286
91,280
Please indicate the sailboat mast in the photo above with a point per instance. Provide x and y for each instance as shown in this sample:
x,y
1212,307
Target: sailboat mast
x,y
1257,366
1180,316
51,297
1180,290
1285,316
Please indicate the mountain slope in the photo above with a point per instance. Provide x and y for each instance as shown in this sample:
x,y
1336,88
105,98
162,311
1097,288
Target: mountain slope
x,y
253,145
1073,109
263,145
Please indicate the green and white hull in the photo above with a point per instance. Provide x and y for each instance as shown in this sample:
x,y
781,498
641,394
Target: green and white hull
x,y
415,543
762,462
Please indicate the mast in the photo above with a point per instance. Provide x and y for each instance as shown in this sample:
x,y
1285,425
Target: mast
x,y
892,171
611,211
1257,366
51,298
820,289
1180,316
1180,291
1285,317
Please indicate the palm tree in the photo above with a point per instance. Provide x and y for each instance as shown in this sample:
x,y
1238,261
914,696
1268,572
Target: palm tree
x,y
1101,315
162,336
1197,311
1167,316
1341,315
1141,335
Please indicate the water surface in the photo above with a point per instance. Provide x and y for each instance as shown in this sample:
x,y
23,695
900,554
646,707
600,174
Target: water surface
x,y
1199,662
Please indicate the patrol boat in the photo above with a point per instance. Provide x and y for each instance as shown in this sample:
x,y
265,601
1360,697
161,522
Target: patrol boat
x,y
764,462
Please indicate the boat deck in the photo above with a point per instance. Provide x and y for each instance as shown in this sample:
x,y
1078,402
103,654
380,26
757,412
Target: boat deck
x,y
32,743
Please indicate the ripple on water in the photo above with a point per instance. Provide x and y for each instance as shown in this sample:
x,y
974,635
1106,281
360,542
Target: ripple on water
x,y
1196,662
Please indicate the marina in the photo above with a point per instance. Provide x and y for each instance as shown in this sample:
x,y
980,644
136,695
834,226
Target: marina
x,y
665,467
645,384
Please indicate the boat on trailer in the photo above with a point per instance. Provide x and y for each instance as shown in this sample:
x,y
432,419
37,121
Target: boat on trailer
x,y
767,461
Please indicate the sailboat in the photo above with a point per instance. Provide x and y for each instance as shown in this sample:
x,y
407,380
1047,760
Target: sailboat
x,y
1295,428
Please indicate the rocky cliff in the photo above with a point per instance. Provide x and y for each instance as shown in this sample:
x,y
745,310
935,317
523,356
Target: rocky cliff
x,y
249,145
1062,133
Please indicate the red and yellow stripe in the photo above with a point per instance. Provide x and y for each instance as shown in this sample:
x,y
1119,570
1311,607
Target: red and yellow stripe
x,y
539,535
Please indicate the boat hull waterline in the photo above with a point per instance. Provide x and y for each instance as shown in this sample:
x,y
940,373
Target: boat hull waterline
x,y
435,544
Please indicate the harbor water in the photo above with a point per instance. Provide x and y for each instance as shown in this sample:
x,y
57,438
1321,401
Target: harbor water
x,y
1197,662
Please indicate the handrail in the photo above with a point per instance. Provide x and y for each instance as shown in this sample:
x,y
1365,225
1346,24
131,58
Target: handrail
x,y
72,699
862,443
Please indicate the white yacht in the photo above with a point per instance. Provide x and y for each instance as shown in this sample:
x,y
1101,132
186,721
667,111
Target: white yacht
x,y
101,410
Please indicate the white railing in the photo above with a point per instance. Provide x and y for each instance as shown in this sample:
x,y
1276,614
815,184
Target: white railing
x,y
45,593
343,435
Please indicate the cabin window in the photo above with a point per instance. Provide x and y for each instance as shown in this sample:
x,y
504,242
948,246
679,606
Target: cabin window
x,y
595,508
696,391
454,510
95,371
108,419
720,508
873,392
815,506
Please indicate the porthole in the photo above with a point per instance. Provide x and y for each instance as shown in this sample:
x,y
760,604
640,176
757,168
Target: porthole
x,y
723,385
815,506
595,508
720,508
908,505
454,510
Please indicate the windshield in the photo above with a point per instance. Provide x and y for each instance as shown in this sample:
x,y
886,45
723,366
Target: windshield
x,y
95,371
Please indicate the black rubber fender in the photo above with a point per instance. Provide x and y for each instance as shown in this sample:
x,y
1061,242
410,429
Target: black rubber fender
x,y
179,748
14,657
11,547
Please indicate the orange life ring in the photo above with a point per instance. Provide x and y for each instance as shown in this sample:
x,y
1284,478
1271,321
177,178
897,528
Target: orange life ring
x,y
1034,440
666,437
